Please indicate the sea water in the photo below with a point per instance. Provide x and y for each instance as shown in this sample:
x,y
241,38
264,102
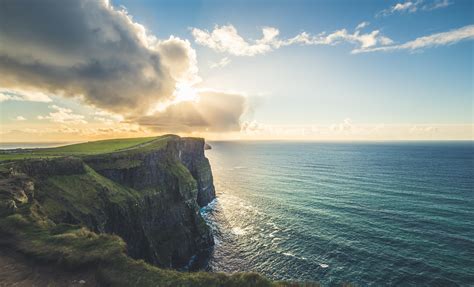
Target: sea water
x,y
372,214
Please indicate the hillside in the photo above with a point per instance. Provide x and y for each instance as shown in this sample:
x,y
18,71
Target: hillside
x,y
126,211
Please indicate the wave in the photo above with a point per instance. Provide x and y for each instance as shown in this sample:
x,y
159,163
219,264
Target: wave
x,y
238,231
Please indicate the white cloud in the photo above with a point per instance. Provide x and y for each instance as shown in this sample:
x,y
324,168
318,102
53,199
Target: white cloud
x,y
362,25
20,118
222,63
341,36
74,133
414,6
226,39
349,130
23,95
437,5
423,129
438,39
107,117
63,115
407,6
345,126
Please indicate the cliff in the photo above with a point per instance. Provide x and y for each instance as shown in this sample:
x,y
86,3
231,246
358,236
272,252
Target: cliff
x,y
159,220
125,212
148,195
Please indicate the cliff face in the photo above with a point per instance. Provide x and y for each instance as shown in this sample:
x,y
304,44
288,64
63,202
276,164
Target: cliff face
x,y
149,196
150,170
191,154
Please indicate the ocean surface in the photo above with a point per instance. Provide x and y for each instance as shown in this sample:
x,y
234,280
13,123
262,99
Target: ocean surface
x,y
373,214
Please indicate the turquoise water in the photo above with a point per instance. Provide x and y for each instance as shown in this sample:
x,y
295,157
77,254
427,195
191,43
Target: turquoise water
x,y
373,214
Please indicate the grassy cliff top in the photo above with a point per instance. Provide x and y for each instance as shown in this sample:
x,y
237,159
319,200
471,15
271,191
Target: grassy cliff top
x,y
88,148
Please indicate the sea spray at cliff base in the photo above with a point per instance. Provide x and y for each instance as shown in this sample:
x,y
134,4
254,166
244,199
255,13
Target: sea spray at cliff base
x,y
366,213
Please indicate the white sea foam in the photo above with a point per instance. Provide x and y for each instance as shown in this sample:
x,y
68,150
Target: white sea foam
x,y
323,265
210,206
240,167
238,231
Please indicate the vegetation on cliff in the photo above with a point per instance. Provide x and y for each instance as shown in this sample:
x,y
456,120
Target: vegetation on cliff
x,y
119,208
88,148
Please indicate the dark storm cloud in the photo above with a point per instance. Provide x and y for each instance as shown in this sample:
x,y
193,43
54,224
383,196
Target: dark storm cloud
x,y
88,48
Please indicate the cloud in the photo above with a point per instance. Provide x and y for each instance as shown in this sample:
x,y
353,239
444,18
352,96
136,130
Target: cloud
x,y
424,129
414,6
24,96
349,130
438,39
345,126
437,5
362,25
222,63
107,116
214,111
250,127
364,42
77,133
226,39
63,115
20,118
408,6
89,49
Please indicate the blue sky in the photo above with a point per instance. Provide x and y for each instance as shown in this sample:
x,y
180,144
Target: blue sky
x,y
343,70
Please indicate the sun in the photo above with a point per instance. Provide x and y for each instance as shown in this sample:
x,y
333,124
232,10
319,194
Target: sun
x,y
185,93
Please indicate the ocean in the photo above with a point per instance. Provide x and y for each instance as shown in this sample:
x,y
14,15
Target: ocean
x,y
372,214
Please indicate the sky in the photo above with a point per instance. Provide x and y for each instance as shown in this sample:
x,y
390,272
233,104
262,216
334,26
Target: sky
x,y
294,70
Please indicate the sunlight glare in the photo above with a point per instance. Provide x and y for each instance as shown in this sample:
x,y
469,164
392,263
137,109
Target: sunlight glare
x,y
185,93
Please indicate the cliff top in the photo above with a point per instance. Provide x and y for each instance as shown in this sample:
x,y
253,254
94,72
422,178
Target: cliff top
x,y
89,148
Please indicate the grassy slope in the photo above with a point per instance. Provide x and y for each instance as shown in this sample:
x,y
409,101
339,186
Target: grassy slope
x,y
88,148
78,194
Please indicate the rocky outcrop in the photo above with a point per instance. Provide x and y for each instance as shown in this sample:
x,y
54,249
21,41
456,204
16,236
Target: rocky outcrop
x,y
148,196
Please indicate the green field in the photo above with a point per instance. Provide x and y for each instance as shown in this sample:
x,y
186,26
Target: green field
x,y
88,148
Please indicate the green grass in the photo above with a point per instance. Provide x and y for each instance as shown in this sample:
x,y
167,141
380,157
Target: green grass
x,y
68,245
79,194
98,147
90,148
74,247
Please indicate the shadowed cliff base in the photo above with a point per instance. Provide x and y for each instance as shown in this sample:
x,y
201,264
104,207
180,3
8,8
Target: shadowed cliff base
x,y
119,213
